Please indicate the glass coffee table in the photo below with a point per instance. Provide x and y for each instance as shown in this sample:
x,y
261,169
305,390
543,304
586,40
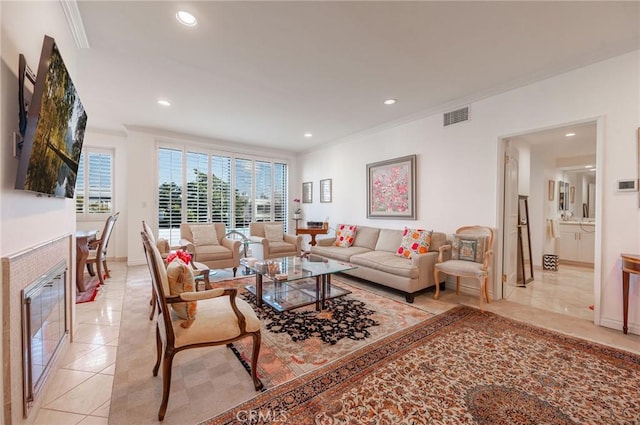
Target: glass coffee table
x,y
292,282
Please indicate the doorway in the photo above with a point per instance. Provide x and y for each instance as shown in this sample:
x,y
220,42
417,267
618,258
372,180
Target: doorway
x,y
549,160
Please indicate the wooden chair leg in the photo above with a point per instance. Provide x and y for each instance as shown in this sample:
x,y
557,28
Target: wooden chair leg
x,y
482,284
90,269
486,289
99,271
235,269
152,302
257,338
457,285
437,280
106,268
158,352
166,382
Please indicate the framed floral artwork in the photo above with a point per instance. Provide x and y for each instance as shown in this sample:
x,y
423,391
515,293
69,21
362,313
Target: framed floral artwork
x,y
391,188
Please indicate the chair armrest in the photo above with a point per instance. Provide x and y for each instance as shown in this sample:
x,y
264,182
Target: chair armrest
x,y
292,239
487,259
232,244
188,246
441,251
214,293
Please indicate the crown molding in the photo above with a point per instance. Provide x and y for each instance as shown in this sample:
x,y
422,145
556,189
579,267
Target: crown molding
x,y
71,11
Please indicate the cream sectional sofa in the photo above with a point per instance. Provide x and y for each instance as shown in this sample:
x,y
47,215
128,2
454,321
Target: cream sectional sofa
x,y
373,252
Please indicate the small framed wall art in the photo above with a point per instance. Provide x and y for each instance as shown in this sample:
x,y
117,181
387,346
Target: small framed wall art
x,y
325,190
307,192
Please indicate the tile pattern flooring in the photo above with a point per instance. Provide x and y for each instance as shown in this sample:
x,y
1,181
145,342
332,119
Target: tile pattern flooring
x,y
79,392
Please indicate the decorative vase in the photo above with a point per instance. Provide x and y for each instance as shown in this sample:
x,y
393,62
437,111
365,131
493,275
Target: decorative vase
x,y
297,216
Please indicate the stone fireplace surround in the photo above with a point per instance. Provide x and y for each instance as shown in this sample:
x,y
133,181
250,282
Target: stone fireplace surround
x,y
19,271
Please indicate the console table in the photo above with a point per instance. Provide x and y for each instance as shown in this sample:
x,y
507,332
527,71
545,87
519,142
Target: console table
x,y
313,231
630,264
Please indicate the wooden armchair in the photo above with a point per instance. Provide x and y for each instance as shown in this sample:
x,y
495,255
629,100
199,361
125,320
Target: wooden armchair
x,y
221,319
471,252
98,250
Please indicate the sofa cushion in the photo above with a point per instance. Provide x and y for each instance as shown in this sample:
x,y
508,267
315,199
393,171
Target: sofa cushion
x,y
338,253
366,237
388,240
468,248
181,280
274,232
387,262
345,234
204,234
414,242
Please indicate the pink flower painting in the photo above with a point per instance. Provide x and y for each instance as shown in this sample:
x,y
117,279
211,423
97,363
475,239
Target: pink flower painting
x,y
391,188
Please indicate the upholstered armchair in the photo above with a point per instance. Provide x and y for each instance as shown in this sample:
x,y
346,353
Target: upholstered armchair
x,y
471,252
272,241
208,245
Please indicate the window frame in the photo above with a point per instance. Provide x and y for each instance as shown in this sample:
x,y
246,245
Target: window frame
x,y
94,216
233,156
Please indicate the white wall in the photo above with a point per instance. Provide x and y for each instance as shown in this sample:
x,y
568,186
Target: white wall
x,y
25,219
458,167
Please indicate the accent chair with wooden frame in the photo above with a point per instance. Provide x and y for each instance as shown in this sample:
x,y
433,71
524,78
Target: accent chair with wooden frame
x,y
221,319
471,252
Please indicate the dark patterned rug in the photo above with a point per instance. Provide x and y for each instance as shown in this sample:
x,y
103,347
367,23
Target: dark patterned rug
x,y
343,317
461,367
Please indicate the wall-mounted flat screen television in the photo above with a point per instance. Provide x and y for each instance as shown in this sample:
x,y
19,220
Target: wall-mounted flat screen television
x,y
55,125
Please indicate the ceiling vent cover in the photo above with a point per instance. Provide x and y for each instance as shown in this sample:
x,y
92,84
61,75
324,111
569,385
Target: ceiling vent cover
x,y
454,117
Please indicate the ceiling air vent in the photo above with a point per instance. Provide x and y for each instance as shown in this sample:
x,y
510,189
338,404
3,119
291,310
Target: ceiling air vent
x,y
454,117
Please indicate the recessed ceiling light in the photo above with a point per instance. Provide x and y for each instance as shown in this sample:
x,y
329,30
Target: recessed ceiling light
x,y
570,134
186,18
389,101
163,102
307,135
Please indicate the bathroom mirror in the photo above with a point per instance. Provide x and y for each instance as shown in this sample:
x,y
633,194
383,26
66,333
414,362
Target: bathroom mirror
x,y
581,189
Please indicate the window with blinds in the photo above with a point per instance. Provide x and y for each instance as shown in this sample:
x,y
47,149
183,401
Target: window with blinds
x,y
94,183
218,188
170,176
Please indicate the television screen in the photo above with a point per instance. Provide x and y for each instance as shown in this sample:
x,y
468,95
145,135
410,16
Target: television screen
x,y
54,132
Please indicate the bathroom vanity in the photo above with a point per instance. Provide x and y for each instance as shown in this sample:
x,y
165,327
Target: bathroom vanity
x,y
577,242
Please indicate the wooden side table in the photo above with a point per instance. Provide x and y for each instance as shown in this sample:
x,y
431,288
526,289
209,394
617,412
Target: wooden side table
x,y
630,264
313,231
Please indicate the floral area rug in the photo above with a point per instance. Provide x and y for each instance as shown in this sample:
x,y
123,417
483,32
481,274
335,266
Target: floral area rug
x,y
461,367
301,340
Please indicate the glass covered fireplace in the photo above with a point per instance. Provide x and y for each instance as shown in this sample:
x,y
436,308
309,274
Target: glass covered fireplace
x,y
44,325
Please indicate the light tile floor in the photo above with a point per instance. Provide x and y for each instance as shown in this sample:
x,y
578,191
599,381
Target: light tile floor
x,y
80,391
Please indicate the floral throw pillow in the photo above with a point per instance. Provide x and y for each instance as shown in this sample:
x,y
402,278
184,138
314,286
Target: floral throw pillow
x,y
414,242
181,280
345,234
468,248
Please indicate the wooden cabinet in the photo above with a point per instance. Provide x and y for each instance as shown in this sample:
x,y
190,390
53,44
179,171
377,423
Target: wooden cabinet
x,y
577,242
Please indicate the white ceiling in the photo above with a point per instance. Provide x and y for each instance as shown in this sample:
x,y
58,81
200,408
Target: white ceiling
x,y
264,73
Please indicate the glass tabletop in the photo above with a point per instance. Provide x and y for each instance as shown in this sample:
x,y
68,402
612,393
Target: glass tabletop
x,y
293,268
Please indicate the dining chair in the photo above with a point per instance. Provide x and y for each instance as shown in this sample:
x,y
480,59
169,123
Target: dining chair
x,y
98,250
218,318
